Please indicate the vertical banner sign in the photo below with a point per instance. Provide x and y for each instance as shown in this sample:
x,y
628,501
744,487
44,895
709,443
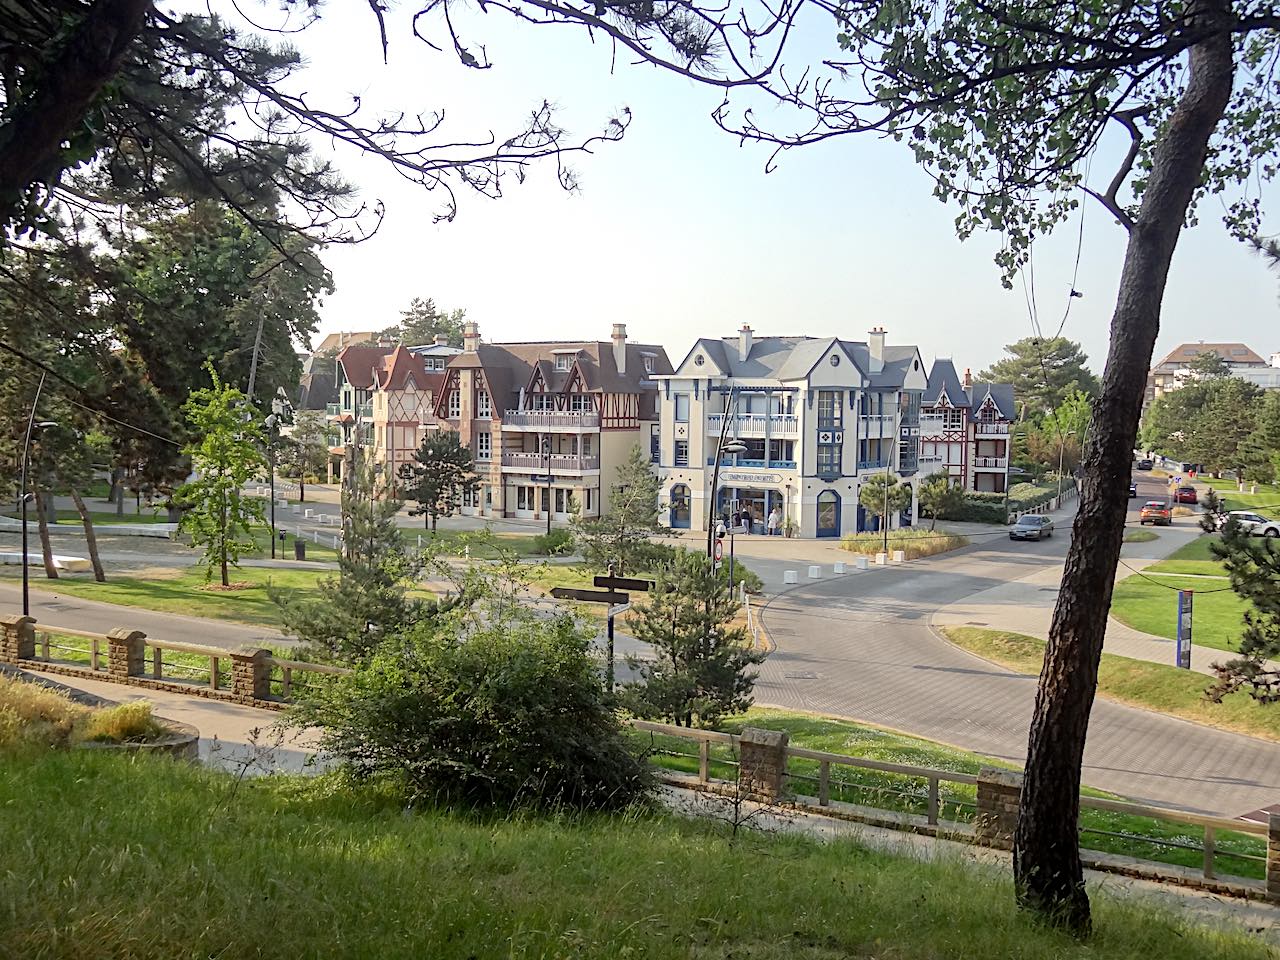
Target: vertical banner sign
x,y
1184,629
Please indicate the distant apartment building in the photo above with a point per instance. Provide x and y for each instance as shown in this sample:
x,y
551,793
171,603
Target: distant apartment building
x,y
818,417
549,422
1175,369
965,429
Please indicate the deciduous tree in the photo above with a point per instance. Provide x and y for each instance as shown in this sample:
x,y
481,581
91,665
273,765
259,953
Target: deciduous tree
x,y
617,540
939,497
883,496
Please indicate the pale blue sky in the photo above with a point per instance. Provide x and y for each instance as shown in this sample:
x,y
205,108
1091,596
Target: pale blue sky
x,y
679,232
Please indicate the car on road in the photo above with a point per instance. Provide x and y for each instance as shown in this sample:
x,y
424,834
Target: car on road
x,y
1145,464
1157,513
1185,494
1256,523
1133,489
1031,526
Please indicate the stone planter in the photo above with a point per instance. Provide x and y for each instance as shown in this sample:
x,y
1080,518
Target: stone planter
x,y
181,741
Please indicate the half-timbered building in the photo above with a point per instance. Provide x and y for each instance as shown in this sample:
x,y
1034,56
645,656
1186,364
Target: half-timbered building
x,y
549,422
965,429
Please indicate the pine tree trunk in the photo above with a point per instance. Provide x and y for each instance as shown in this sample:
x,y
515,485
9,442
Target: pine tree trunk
x,y
90,538
42,521
1046,855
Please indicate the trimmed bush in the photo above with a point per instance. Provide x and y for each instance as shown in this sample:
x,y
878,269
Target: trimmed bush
x,y
914,542
557,543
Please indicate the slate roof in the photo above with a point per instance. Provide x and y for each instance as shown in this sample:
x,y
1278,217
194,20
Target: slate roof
x,y
359,362
791,358
401,364
943,376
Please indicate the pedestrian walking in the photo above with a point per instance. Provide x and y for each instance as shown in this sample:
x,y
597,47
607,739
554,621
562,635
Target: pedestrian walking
x,y
747,520
775,522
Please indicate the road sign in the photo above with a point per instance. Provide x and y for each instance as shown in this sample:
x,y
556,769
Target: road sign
x,y
623,583
619,609
1183,645
719,550
589,596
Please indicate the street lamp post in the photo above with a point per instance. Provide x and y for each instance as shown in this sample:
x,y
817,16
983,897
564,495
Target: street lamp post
x,y
32,425
270,424
546,455
723,446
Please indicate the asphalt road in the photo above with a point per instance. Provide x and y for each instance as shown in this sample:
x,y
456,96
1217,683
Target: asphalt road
x,y
862,647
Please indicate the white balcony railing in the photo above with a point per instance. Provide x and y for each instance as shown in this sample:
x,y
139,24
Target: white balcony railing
x,y
551,420
990,463
560,462
992,429
755,424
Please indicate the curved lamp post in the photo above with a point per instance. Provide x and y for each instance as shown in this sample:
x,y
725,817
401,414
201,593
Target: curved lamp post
x,y
271,423
723,447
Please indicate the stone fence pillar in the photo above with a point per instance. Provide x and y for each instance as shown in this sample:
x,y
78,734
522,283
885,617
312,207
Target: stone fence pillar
x,y
251,672
126,652
999,794
1273,856
762,762
17,638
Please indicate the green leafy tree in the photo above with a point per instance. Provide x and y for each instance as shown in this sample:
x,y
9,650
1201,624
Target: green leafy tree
x,y
1043,372
441,475
305,453
1210,421
1253,564
883,496
226,455
350,615
939,497
702,668
620,539
1209,366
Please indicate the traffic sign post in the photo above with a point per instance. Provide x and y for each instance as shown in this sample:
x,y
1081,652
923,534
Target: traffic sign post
x,y
618,603
1183,643
623,583
589,596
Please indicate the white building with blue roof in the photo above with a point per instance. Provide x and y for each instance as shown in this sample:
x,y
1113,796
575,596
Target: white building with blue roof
x,y
816,416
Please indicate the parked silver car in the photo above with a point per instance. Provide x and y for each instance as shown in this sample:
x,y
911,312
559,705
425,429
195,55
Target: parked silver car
x,y
1031,526
1256,523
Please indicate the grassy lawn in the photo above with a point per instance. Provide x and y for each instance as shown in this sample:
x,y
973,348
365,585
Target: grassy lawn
x,y
71,518
483,545
151,859
1153,608
1140,536
183,591
1152,686
1192,557
1124,834
1267,497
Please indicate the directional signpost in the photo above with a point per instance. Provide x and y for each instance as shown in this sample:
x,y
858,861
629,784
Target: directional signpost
x,y
619,603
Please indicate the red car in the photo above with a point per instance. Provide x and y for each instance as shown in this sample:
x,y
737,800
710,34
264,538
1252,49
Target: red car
x,y
1156,513
1185,495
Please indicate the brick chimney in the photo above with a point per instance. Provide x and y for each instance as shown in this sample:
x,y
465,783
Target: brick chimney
x,y
442,340
744,343
875,348
968,379
470,336
620,347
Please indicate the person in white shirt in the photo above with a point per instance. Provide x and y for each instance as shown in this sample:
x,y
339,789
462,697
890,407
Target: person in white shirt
x,y
775,522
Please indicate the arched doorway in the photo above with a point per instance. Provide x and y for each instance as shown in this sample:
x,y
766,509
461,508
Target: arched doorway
x,y
828,514
680,511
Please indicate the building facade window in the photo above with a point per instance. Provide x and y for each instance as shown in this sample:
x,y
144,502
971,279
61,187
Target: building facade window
x,y
830,410
655,444
455,404
682,407
542,401
484,409
562,362
828,460
484,446
648,364
681,514
580,402
682,453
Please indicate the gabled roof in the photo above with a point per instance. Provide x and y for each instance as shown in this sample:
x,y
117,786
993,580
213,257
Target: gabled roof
x,y
1001,395
944,379
359,363
336,341
400,365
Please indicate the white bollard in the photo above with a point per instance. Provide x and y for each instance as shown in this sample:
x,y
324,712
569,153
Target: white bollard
x,y
838,567
335,541
790,576
815,573
899,556
882,559
862,563
419,541
315,535
307,513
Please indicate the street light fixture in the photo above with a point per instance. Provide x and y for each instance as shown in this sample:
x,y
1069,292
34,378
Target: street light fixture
x,y
735,447
546,454
32,426
270,423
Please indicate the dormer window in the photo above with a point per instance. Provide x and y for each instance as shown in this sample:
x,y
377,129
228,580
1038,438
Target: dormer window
x,y
648,364
562,362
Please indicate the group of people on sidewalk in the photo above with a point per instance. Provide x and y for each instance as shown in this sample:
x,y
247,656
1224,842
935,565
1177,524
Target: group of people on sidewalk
x,y
743,520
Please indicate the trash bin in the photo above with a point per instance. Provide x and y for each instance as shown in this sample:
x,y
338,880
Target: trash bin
x,y
299,549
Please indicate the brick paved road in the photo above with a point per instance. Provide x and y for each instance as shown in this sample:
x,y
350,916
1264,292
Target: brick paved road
x,y
861,647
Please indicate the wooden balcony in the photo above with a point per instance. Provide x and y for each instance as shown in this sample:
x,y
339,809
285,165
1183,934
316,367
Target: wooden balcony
x,y
551,421
560,462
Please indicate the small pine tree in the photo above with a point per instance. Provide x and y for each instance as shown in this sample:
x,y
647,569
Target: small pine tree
x,y
702,670
873,500
618,539
441,475
226,455
1253,564
938,498
348,616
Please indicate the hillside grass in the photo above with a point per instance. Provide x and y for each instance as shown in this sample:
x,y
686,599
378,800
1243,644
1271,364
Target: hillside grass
x,y
1152,607
1140,536
915,542
36,717
1267,497
149,859
1101,830
1193,557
